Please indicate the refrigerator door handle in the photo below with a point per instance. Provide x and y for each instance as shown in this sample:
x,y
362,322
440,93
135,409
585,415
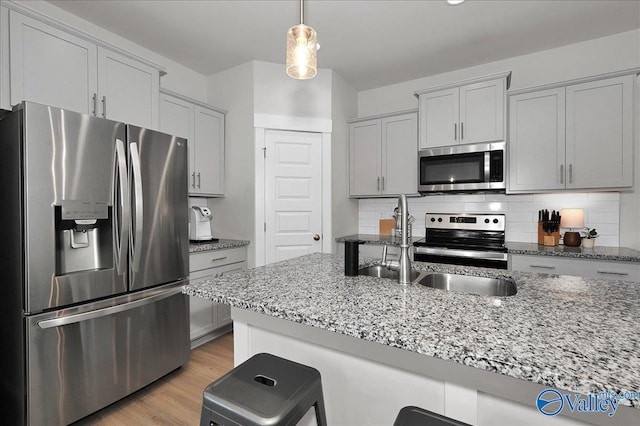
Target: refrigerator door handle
x,y
139,207
121,194
98,313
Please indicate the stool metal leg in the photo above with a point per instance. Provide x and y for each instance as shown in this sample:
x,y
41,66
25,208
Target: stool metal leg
x,y
321,416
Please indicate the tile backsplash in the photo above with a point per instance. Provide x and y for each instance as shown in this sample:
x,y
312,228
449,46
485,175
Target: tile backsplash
x,y
601,211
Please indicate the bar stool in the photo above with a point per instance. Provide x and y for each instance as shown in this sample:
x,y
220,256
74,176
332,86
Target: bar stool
x,y
415,416
264,390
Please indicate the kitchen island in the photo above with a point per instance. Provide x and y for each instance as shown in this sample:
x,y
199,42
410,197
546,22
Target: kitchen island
x,y
380,345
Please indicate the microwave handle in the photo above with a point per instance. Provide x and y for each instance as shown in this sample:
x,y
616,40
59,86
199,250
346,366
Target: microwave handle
x,y
487,166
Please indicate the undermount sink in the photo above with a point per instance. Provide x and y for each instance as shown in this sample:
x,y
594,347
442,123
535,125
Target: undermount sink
x,y
449,282
380,271
469,284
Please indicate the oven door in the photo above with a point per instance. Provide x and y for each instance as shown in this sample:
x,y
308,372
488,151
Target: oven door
x,y
462,168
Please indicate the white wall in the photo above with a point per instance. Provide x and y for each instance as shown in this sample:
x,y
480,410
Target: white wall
x,y
276,93
179,78
234,215
344,107
614,214
601,211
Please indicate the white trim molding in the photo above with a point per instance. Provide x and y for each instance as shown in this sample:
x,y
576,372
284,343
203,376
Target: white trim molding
x,y
283,122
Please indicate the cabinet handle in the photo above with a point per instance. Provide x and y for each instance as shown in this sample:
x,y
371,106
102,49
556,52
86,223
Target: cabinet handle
x,y
383,183
104,106
543,266
218,258
455,131
193,179
198,180
570,173
461,131
378,183
561,173
613,273
95,104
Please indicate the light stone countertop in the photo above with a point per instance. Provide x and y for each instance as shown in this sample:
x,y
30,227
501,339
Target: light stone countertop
x,y
617,254
220,244
571,333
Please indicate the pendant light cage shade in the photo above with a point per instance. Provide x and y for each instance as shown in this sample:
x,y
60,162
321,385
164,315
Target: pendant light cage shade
x,y
302,52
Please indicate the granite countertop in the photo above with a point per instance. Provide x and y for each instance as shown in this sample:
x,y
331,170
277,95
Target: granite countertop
x,y
571,333
220,244
618,254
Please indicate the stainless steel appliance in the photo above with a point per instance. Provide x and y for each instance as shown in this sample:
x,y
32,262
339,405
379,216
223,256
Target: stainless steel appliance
x,y
462,168
95,250
200,224
463,239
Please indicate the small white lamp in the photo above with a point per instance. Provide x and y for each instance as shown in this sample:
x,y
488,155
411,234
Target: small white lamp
x,y
572,218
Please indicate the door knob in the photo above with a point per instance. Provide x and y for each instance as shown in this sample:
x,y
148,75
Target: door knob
x,y
316,237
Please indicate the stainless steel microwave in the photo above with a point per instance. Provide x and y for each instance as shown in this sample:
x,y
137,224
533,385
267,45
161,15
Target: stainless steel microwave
x,y
462,168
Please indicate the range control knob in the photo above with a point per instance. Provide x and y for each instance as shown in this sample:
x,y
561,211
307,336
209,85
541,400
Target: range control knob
x,y
495,220
433,219
486,221
439,219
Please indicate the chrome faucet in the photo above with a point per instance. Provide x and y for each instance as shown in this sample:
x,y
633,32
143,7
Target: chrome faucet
x,y
403,264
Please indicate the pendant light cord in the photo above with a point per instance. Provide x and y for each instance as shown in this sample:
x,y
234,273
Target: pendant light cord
x,y
302,11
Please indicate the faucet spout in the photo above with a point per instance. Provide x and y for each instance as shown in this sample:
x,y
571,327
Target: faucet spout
x,y
404,263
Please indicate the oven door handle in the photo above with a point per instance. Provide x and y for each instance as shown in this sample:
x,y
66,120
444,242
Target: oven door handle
x,y
462,253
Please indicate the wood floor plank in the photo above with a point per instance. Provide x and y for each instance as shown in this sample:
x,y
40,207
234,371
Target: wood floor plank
x,y
176,399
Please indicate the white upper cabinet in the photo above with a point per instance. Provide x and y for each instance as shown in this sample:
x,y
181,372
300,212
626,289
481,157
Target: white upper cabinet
x,y
50,66
128,90
470,112
209,151
537,140
203,126
575,136
54,67
383,155
600,133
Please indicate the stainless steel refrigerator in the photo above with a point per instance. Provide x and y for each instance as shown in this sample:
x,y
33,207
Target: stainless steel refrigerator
x,y
94,235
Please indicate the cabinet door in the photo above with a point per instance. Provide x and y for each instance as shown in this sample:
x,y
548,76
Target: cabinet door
x,y
537,141
5,102
365,170
203,316
482,112
400,154
176,118
209,152
439,116
50,66
127,90
600,133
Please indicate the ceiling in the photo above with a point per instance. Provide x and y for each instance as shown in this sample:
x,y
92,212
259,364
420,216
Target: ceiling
x,y
369,43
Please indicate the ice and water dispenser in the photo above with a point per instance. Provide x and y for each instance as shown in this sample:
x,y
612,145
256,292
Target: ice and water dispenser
x,y
84,239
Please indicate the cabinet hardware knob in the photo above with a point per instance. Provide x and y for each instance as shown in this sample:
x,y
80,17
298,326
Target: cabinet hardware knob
x,y
104,106
199,180
218,258
316,237
193,179
562,173
455,131
95,104
461,131
378,183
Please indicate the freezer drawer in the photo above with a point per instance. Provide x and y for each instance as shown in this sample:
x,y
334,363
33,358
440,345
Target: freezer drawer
x,y
80,363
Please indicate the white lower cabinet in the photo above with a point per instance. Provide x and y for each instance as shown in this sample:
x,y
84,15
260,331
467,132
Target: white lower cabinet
x,y
588,268
208,318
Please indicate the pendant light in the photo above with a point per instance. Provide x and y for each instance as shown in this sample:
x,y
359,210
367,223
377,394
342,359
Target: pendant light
x,y
302,50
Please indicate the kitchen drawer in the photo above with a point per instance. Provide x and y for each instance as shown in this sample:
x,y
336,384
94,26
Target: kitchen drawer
x,y
588,268
212,259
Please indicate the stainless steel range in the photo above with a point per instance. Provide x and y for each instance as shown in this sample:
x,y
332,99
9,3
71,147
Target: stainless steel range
x,y
463,239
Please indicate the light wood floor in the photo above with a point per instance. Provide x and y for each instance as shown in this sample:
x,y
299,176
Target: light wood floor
x,y
175,399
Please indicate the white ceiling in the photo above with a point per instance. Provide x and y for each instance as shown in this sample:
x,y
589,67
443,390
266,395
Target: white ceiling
x,y
369,43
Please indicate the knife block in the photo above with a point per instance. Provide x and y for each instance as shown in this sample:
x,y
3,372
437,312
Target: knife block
x,y
546,239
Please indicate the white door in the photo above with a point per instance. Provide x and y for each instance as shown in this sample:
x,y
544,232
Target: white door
x,y
127,90
439,116
293,194
50,66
